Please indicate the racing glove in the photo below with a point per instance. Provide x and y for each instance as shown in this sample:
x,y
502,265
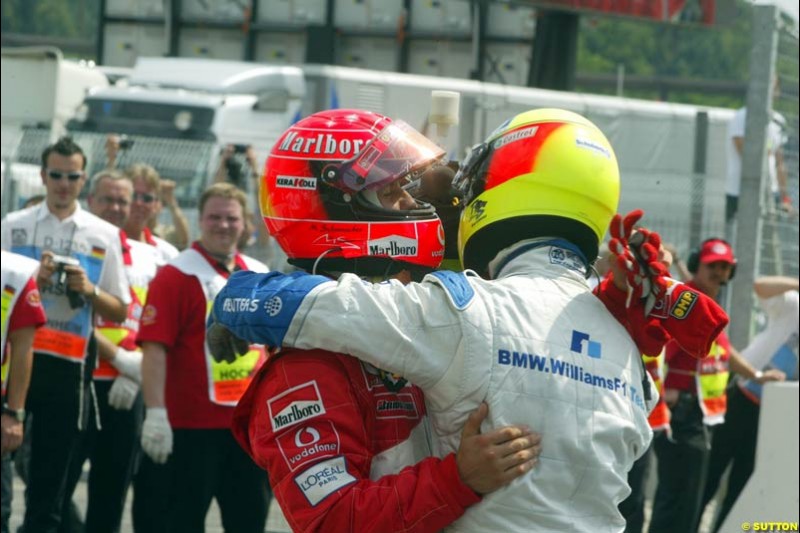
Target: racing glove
x,y
157,435
128,363
222,343
122,393
683,314
636,252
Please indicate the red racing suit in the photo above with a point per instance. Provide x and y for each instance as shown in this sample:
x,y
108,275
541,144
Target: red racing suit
x,y
347,447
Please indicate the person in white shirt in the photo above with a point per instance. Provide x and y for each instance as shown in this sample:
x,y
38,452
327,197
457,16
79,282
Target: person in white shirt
x,y
81,274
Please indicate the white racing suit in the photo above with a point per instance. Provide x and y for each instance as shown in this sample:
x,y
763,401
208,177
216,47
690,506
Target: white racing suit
x,y
534,343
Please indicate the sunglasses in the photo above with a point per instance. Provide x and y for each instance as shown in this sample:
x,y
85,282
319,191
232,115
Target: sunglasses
x,y
144,197
71,176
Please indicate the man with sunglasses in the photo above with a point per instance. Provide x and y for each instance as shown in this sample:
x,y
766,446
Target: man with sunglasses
x,y
81,275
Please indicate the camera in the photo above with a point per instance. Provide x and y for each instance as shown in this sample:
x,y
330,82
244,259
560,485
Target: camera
x,y
76,299
240,148
125,142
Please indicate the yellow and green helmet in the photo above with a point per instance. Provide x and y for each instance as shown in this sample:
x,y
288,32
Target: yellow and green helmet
x,y
545,172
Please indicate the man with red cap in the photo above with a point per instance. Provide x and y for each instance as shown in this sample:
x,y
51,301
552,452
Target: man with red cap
x,y
694,392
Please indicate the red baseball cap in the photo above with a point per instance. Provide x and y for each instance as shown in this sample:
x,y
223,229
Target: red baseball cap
x,y
714,250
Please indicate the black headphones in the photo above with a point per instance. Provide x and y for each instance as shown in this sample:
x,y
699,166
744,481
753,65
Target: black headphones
x,y
693,262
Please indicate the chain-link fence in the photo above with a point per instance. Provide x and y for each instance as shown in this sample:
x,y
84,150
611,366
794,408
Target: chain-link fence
x,y
765,232
780,250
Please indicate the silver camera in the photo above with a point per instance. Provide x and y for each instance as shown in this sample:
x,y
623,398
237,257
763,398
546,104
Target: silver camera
x,y
75,298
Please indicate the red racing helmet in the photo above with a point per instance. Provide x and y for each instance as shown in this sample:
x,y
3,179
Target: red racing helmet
x,y
318,195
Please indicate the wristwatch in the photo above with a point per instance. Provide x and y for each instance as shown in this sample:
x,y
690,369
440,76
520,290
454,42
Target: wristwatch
x,y
758,375
16,414
95,292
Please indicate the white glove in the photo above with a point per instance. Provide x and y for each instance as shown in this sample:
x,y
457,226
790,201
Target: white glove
x,y
128,363
123,393
157,435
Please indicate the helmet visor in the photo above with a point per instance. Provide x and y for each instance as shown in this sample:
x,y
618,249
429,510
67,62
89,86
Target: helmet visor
x,y
398,151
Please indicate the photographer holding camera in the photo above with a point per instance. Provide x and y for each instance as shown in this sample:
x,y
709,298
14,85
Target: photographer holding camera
x,y
91,269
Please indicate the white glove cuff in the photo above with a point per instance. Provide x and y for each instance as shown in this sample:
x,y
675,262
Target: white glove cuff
x,y
157,414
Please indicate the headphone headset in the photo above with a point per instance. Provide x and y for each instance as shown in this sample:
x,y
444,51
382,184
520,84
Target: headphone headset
x,y
693,262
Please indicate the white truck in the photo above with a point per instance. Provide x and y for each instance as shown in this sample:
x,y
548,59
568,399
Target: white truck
x,y
40,93
178,115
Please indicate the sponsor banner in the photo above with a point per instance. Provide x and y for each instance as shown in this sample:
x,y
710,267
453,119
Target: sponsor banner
x,y
323,479
400,405
308,443
295,405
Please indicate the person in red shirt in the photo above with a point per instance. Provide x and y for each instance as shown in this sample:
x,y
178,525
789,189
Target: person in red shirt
x,y
22,313
694,392
189,397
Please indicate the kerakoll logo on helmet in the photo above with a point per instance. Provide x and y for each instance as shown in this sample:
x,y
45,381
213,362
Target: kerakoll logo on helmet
x,y
295,405
320,144
393,246
294,182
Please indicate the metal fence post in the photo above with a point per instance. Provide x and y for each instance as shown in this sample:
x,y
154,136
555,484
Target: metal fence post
x,y
754,161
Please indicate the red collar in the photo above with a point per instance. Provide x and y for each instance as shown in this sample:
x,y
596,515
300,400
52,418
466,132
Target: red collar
x,y
148,237
126,248
219,267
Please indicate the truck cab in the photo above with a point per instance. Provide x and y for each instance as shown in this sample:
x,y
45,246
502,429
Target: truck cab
x,y
179,114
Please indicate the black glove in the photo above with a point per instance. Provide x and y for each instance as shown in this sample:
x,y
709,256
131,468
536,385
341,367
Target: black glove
x,y
223,344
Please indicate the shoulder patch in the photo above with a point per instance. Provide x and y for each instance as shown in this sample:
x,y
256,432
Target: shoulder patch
x,y
457,287
323,479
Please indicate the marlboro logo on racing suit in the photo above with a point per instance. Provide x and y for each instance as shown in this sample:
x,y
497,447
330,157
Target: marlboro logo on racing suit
x,y
296,405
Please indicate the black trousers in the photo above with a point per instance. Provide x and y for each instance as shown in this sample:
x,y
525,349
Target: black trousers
x,y
734,442
111,451
7,492
58,400
632,507
204,464
151,494
682,468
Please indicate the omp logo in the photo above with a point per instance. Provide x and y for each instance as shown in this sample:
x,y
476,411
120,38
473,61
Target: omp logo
x,y
396,406
321,143
683,304
295,405
393,246
292,182
593,349
308,443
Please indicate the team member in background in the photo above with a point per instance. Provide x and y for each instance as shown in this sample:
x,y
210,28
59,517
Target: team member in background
x,y
774,349
190,397
539,195
22,313
694,392
85,278
112,447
